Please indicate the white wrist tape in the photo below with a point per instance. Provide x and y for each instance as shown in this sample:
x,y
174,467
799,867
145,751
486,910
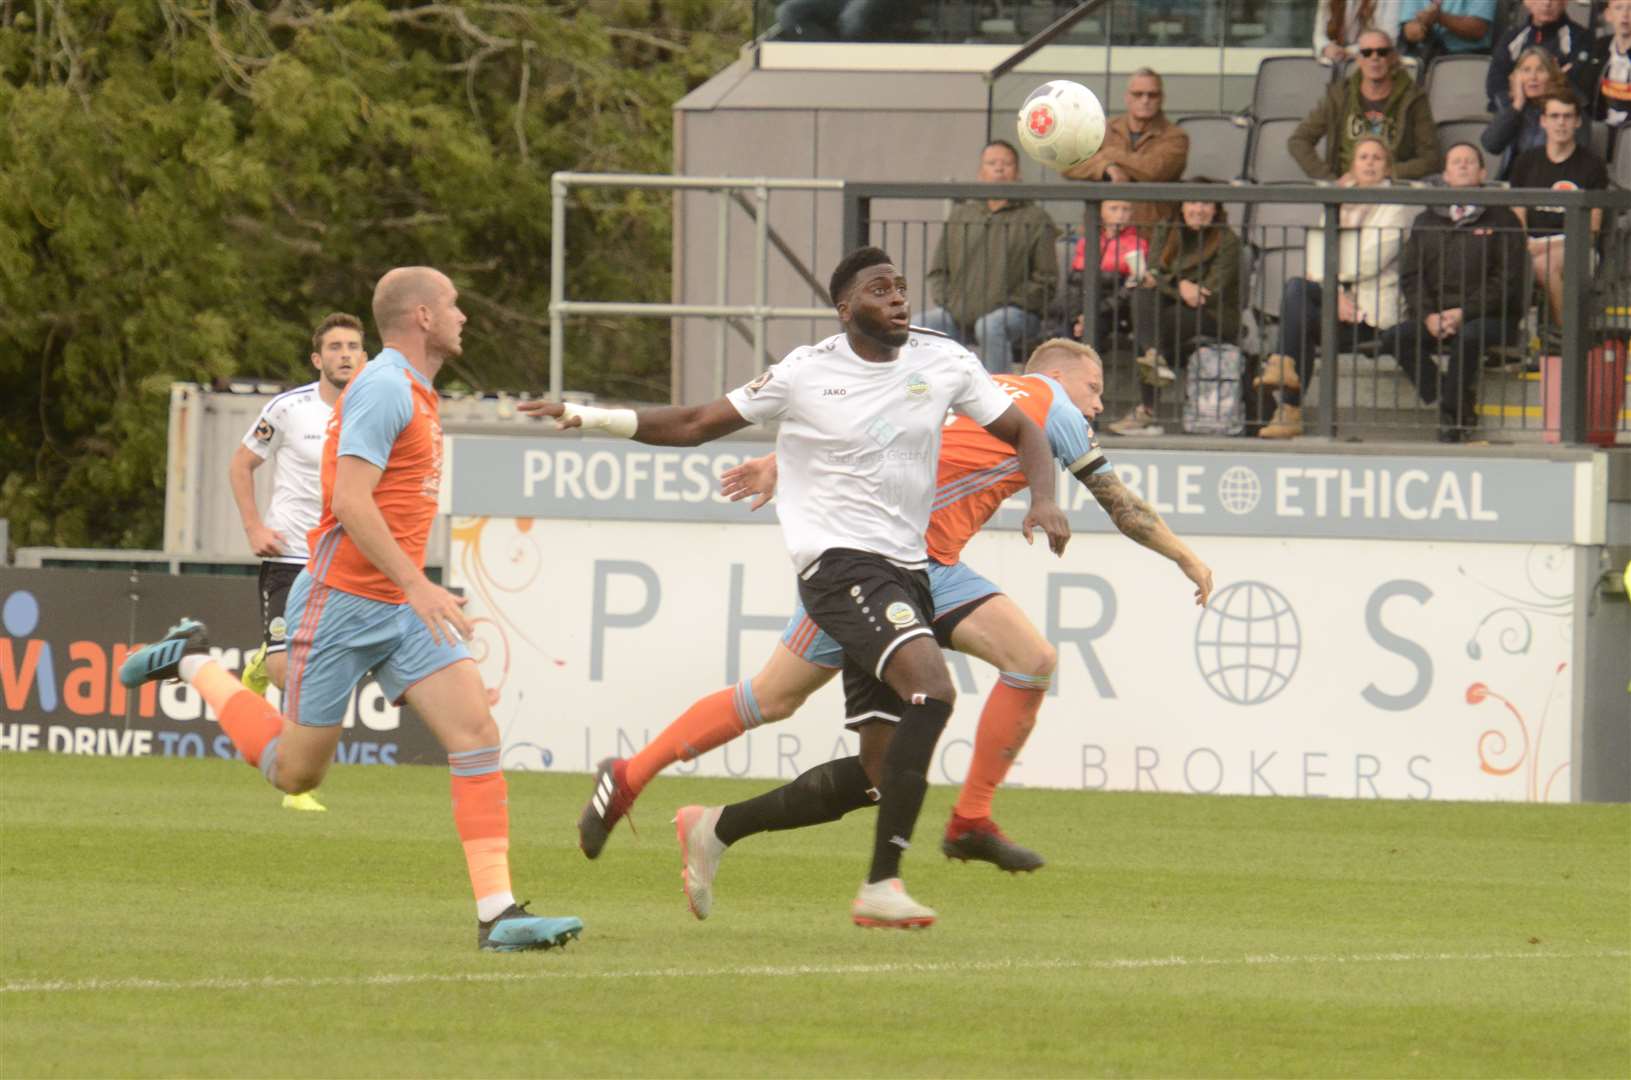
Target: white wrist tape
x,y
619,422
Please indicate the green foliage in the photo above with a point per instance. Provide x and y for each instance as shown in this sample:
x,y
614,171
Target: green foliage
x,y
188,186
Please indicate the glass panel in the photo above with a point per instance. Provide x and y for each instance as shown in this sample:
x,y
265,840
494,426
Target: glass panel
x,y
1168,23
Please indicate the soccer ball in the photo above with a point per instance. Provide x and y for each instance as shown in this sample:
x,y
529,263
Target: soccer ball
x,y
1061,124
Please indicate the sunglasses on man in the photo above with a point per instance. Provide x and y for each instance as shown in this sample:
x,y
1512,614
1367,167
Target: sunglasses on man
x,y
1371,54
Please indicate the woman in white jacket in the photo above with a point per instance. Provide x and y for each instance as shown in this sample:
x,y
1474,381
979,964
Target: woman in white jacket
x,y
1367,292
1338,24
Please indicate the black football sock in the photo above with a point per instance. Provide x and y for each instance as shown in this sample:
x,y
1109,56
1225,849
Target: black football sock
x,y
905,779
819,795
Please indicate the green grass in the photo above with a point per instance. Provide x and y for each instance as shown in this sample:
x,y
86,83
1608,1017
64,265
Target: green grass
x,y
1168,935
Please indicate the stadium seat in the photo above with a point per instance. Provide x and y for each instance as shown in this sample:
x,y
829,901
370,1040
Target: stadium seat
x,y
1271,162
1620,171
1217,145
1281,225
1455,87
1451,132
1288,87
1597,137
1274,268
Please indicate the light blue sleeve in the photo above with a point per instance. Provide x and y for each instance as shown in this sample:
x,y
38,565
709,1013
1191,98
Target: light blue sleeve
x,y
372,414
1072,438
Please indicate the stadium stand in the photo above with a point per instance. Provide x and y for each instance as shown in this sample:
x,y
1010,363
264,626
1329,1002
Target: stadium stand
x,y
1288,86
1217,145
1451,132
1455,87
1271,162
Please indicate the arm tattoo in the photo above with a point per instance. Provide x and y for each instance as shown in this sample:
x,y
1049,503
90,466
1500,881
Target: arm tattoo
x,y
1136,519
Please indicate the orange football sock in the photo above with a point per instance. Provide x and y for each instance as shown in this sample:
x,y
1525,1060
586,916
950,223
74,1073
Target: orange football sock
x,y
481,813
249,721
1005,724
712,721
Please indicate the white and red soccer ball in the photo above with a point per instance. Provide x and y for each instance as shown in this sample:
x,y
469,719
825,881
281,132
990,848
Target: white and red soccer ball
x,y
1061,124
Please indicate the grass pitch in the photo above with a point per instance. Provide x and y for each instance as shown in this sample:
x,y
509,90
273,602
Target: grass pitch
x,y
166,918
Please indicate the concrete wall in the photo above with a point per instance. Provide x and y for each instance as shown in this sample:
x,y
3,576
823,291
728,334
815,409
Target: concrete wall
x,y
857,125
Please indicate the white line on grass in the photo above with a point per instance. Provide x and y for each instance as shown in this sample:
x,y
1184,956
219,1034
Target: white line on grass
x,y
275,982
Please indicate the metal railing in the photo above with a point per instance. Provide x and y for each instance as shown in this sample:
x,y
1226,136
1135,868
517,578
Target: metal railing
x,y
912,240
728,190
1585,297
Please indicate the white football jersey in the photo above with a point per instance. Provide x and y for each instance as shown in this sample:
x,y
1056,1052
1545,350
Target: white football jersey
x,y
289,432
859,443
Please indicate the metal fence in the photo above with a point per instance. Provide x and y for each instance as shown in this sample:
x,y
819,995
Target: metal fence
x,y
1387,364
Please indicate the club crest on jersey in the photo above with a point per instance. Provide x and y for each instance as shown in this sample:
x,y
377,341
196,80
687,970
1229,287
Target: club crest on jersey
x,y
263,431
900,614
759,384
916,385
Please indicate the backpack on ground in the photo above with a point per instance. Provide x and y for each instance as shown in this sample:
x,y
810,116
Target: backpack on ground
x,y
1214,390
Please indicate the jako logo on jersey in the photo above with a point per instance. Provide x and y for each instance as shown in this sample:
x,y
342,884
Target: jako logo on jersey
x,y
916,385
834,391
900,614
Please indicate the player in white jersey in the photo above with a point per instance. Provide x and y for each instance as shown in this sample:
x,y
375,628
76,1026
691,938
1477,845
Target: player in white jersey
x,y
858,449
289,433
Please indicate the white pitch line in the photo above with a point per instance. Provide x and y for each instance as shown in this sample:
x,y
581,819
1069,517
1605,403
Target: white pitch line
x,y
274,982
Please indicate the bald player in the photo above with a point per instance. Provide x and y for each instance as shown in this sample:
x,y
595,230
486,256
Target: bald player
x,y
363,603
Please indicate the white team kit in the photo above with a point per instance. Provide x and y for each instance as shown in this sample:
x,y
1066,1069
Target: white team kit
x,y
289,433
859,443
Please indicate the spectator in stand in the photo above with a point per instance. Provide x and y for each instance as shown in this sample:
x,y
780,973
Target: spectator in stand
x,y
1367,288
1611,59
1434,28
994,268
1124,253
1376,101
1517,127
1192,292
1462,278
1546,26
1563,164
1338,24
1140,146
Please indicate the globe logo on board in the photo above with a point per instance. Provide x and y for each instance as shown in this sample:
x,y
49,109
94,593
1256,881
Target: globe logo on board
x,y
1239,490
1248,642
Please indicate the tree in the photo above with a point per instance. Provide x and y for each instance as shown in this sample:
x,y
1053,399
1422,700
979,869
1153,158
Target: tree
x,y
188,186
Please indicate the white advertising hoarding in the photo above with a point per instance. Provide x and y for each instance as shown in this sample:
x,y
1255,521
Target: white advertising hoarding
x,y
1345,668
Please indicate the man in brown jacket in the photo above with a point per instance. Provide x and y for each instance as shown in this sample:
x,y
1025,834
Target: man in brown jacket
x,y
1141,145
995,268
1377,100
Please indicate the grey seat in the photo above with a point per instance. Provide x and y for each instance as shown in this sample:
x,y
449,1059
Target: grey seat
x,y
1271,162
1455,87
1451,132
1217,145
1288,87
1620,168
1282,225
1274,268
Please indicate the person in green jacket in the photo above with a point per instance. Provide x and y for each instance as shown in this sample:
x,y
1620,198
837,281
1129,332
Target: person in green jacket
x,y
995,268
1376,101
1191,291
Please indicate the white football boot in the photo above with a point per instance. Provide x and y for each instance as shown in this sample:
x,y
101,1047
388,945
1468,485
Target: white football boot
x,y
886,905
